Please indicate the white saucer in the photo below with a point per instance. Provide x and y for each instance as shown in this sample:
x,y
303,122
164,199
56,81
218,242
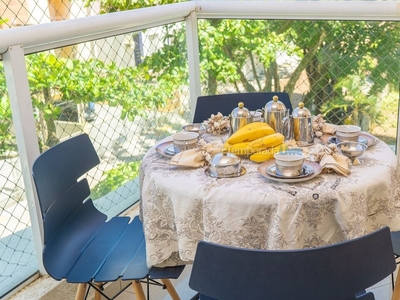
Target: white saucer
x,y
307,171
262,169
166,149
333,140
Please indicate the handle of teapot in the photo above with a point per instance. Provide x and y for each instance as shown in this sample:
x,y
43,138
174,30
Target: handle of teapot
x,y
287,126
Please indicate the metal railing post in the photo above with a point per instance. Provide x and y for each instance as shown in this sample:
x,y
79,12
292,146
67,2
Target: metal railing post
x,y
193,54
25,131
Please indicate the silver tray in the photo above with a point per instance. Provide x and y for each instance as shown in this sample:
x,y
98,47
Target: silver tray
x,y
242,172
307,171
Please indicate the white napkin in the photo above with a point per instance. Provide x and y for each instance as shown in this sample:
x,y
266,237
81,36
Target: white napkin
x,y
197,157
333,161
329,128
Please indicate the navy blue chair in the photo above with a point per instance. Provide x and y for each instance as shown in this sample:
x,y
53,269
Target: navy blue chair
x,y
336,272
395,235
225,103
80,244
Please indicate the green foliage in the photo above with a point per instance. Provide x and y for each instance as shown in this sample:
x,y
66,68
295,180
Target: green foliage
x,y
115,178
108,6
54,80
7,139
353,101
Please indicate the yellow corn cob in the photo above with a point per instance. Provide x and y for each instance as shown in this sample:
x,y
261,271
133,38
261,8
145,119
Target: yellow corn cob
x,y
267,154
269,141
250,132
241,149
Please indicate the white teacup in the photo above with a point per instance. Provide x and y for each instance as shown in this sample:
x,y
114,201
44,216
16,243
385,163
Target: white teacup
x,y
185,140
289,163
347,133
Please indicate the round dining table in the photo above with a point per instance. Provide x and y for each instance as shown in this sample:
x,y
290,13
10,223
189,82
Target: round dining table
x,y
181,205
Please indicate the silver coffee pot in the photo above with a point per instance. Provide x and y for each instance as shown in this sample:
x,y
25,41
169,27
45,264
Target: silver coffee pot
x,y
301,123
239,117
275,112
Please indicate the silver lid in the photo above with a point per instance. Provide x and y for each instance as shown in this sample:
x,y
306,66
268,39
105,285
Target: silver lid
x,y
224,159
275,105
240,111
301,111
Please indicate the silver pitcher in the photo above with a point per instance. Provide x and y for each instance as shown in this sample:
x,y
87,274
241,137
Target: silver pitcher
x,y
275,113
239,117
300,126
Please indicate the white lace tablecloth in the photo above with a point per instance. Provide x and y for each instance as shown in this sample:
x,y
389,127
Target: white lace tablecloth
x,y
180,206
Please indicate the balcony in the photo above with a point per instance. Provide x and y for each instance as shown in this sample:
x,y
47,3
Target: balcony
x,y
131,78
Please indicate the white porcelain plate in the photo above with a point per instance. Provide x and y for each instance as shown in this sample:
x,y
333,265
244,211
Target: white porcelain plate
x,y
262,169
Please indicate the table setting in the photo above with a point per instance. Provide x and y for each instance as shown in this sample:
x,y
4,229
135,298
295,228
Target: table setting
x,y
282,183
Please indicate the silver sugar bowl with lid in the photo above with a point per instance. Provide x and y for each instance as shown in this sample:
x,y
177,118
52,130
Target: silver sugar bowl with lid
x,y
275,113
225,164
239,117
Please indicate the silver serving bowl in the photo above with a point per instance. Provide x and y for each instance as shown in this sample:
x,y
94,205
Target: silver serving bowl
x,y
352,150
195,127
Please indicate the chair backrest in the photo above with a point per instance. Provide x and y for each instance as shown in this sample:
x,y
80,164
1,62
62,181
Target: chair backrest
x,y
70,219
56,173
334,272
225,103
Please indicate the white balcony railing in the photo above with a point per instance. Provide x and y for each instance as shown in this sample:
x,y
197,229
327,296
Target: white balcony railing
x,y
15,43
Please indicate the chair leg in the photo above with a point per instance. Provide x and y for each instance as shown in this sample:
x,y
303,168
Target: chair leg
x,y
97,295
396,290
138,289
170,289
80,292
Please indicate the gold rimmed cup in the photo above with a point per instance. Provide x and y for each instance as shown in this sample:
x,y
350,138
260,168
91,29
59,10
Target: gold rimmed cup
x,y
289,163
347,133
185,140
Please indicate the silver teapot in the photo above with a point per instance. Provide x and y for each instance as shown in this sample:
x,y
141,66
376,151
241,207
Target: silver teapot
x,y
239,117
275,113
299,126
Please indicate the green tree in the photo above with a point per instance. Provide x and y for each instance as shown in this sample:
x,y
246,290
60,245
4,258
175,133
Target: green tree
x,y
332,51
356,107
55,80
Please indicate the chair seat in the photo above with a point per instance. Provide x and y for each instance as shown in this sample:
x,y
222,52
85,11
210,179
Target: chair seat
x,y
115,247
